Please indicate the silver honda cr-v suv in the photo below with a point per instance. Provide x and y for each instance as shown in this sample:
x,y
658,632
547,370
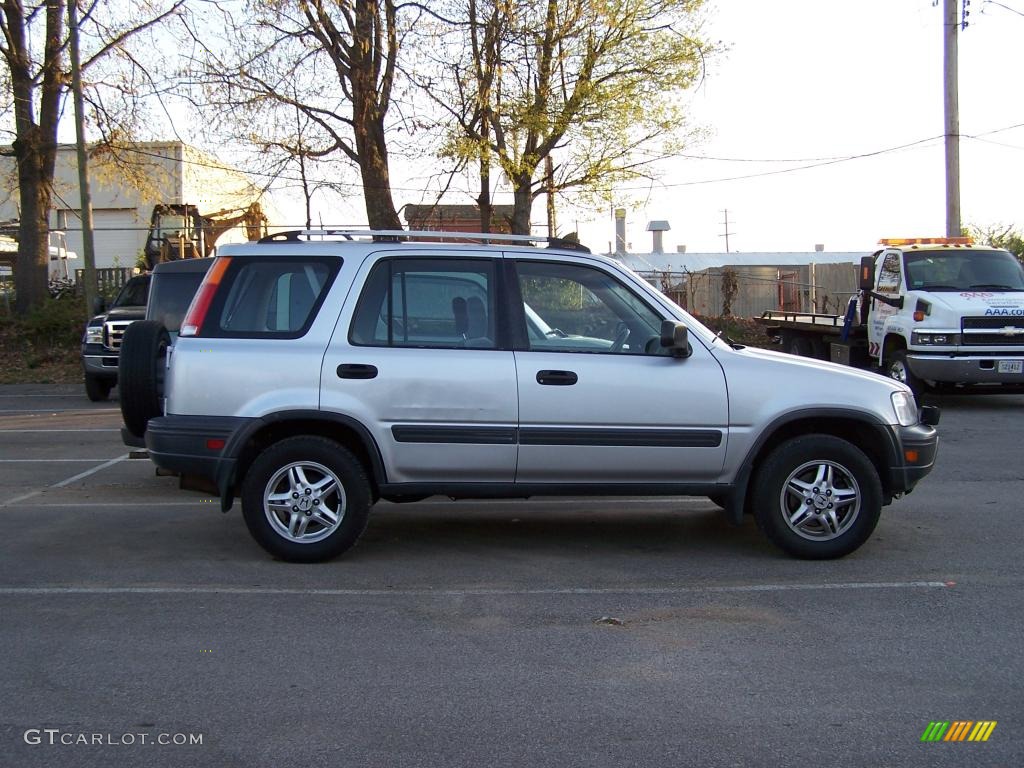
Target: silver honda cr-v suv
x,y
318,372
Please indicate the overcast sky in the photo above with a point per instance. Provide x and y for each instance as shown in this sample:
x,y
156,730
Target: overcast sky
x,y
811,79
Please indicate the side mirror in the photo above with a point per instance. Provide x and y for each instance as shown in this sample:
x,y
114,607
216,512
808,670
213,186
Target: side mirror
x,y
675,337
867,273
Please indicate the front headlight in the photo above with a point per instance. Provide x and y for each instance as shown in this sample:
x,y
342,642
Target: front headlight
x,y
94,334
905,407
941,339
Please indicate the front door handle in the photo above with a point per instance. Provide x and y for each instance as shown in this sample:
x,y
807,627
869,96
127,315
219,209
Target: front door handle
x,y
557,378
357,371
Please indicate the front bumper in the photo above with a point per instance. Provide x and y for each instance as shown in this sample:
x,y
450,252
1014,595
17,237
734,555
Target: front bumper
x,y
197,446
915,449
964,369
99,361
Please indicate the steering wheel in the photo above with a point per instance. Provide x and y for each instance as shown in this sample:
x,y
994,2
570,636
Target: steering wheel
x,y
621,334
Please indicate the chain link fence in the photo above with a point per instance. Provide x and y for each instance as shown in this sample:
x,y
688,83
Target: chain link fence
x,y
748,291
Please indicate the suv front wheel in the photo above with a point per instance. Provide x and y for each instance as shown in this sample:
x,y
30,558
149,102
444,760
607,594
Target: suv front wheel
x,y
817,497
306,499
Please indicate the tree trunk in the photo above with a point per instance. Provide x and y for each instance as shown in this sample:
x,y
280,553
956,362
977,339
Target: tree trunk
x,y
373,167
369,104
523,204
35,179
484,200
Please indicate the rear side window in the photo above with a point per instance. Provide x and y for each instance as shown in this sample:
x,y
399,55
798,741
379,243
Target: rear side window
x,y
263,297
427,303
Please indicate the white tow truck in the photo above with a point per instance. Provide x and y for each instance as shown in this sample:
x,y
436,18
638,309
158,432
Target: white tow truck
x,y
938,314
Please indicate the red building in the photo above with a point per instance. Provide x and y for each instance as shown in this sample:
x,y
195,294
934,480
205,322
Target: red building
x,y
456,218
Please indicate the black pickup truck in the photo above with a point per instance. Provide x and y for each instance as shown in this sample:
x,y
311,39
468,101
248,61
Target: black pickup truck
x,y
101,342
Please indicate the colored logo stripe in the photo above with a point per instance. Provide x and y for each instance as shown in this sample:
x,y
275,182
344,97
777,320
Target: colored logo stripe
x,y
958,730
982,730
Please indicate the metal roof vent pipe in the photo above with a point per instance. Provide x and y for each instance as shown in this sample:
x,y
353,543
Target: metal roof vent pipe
x,y
657,229
620,231
819,247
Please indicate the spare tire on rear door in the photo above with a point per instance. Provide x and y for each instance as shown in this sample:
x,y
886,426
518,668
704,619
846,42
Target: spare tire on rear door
x,y
140,373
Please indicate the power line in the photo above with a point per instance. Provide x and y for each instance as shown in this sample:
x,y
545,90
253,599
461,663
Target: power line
x,y
1000,5
809,163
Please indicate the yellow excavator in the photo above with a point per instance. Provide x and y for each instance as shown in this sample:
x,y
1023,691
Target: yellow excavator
x,y
182,232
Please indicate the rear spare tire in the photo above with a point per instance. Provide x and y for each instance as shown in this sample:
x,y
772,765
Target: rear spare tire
x,y
141,373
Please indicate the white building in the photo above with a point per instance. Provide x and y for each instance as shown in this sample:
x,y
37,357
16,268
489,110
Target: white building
x,y
126,185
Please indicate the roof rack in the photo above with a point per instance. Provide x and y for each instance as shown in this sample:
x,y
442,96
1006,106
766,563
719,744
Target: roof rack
x,y
398,235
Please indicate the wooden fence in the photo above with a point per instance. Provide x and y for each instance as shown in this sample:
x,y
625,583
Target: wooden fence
x,y
109,280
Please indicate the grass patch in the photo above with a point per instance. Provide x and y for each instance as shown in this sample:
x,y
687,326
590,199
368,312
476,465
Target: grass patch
x,y
43,347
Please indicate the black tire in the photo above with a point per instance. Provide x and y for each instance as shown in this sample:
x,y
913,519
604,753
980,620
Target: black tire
x,y
896,368
97,388
799,345
140,373
319,458
819,349
825,532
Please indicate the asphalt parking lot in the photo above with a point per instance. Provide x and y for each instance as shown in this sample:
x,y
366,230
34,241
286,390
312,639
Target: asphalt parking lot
x,y
570,632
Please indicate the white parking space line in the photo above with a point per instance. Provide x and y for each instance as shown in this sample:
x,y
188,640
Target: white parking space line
x,y
126,504
48,461
95,429
554,591
93,471
68,481
58,411
65,395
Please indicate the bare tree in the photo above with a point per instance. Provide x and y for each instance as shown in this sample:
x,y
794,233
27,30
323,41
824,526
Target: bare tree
x,y
33,46
332,63
592,84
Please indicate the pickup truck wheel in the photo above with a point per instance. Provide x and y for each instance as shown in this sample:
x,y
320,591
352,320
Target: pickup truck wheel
x,y
140,373
817,497
97,388
898,369
798,345
306,499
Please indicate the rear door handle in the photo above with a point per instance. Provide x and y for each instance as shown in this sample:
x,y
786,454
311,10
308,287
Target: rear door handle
x,y
357,371
557,378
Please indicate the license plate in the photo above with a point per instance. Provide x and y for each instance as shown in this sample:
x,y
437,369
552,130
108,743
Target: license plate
x,y
1010,366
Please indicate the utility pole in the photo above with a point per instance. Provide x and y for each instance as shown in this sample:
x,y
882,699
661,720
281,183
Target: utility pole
x,y
88,252
725,223
951,109
549,188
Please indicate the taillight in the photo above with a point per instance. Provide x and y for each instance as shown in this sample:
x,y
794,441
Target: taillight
x,y
196,315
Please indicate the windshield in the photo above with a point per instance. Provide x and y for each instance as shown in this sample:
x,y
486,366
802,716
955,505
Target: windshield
x,y
172,294
964,270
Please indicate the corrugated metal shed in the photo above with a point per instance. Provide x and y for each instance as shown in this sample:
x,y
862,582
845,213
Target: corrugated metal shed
x,y
697,262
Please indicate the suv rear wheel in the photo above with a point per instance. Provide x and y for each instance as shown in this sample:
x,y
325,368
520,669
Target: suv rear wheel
x,y
306,499
817,497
